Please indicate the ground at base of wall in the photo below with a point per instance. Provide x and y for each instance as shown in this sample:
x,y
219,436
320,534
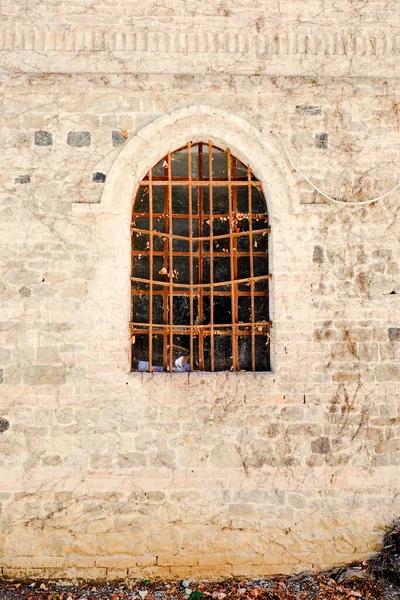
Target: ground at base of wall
x,y
351,583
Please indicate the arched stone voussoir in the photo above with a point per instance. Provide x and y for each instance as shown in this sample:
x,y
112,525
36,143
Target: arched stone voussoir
x,y
198,123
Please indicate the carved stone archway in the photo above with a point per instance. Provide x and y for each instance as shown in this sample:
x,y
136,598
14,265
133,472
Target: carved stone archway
x,y
112,216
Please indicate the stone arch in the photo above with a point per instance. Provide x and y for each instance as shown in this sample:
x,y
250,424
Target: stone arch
x,y
113,215
197,123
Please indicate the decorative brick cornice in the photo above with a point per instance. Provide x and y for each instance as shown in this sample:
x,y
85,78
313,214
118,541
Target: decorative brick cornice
x,y
202,40
252,51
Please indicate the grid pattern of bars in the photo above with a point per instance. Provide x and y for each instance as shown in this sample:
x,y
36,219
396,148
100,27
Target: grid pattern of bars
x,y
200,275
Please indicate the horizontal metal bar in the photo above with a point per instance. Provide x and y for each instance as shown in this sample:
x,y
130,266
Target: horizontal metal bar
x,y
200,239
203,285
188,254
201,182
205,333
140,292
205,217
208,325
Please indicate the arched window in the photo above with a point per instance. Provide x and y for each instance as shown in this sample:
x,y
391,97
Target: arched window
x,y
200,275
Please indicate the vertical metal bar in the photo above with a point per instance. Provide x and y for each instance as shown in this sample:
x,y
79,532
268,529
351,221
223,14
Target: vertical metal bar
x,y
233,258
210,157
234,276
200,250
170,267
150,273
131,311
190,191
165,263
251,240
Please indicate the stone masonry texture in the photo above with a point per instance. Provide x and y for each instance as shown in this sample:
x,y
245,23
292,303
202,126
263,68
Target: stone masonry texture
x,y
105,471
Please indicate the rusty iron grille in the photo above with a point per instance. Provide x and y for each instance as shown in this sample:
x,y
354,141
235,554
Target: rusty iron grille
x,y
200,275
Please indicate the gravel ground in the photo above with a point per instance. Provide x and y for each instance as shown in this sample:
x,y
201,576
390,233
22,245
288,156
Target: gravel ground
x,y
342,584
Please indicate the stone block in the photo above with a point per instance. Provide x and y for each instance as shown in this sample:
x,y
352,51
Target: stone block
x,y
321,445
388,372
43,138
156,496
52,461
226,456
119,562
118,137
394,334
72,560
297,501
163,459
179,560
247,571
389,351
63,496
191,456
87,573
216,572
114,574
318,254
166,541
5,356
346,377
292,413
211,559
23,179
4,425
151,572
24,292
321,140
44,375
146,560
79,139
47,355
304,429
241,510
131,459
306,109
99,177
26,572
35,562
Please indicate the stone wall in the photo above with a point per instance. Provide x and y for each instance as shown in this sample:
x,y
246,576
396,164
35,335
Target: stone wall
x,y
106,473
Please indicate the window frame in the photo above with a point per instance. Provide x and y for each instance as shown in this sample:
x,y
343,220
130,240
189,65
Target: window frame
x,y
169,180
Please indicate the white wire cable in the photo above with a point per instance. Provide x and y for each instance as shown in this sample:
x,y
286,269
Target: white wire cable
x,y
361,203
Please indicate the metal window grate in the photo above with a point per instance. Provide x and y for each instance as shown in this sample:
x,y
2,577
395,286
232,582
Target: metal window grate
x,y
200,275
